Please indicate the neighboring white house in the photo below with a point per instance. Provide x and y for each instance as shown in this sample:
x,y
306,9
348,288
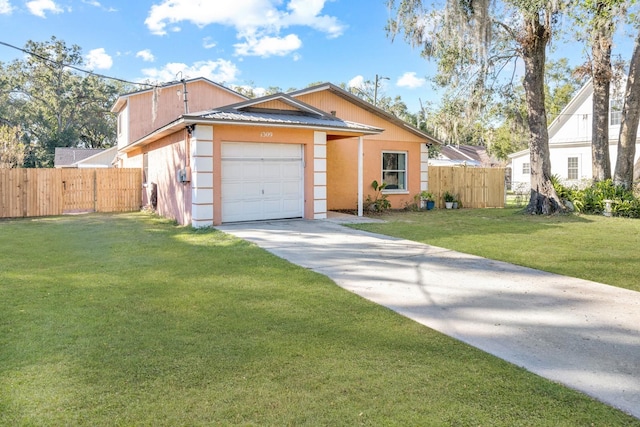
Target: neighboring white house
x,y
84,157
570,141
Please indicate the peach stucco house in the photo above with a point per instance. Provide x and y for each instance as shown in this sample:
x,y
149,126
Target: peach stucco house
x,y
213,156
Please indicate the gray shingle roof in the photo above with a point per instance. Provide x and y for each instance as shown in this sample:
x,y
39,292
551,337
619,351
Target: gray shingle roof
x,y
282,117
67,156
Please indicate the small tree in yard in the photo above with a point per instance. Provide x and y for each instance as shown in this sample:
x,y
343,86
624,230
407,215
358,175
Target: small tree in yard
x,y
12,150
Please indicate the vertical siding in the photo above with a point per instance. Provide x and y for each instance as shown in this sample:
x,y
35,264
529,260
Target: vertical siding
x,y
474,187
45,192
151,110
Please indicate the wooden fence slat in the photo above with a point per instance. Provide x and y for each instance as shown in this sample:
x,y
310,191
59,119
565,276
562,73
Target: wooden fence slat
x,y
474,187
45,192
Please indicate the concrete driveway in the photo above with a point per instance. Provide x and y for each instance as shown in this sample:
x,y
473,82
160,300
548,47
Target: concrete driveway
x,y
583,334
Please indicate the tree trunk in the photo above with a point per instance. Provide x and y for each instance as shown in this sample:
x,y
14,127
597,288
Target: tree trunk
x,y
629,124
544,199
601,72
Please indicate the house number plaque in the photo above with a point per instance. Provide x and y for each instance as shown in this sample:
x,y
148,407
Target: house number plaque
x,y
266,134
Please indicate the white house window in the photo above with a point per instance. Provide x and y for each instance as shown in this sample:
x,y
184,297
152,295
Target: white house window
x,y
526,168
615,110
394,170
572,168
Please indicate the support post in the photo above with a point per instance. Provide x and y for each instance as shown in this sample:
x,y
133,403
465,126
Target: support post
x,y
360,176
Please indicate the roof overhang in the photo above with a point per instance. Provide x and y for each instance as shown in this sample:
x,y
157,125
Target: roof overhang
x,y
186,121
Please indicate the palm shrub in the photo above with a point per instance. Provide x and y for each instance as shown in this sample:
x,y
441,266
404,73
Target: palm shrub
x,y
379,202
591,200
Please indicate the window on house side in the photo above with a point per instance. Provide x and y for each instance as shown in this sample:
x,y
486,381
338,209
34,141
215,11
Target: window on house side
x,y
145,167
572,168
394,170
526,168
615,110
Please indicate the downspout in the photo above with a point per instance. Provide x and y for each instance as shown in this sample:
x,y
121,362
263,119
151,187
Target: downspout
x,y
360,175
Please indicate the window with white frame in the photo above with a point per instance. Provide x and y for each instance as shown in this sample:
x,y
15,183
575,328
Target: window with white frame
x,y
615,109
394,170
572,168
526,168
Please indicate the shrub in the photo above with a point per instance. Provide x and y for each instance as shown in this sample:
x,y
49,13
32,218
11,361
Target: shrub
x,y
591,200
378,203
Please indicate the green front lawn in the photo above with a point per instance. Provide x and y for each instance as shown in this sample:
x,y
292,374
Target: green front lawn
x,y
591,247
130,320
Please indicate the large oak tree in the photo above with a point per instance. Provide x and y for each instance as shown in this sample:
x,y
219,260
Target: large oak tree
x,y
472,41
623,174
54,104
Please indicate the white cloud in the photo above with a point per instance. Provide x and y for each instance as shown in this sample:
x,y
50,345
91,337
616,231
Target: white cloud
x,y
307,13
220,71
146,55
268,46
5,7
257,91
253,20
98,59
208,43
411,81
39,7
357,82
96,3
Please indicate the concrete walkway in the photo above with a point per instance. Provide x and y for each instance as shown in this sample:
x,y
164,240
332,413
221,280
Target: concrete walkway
x,y
583,334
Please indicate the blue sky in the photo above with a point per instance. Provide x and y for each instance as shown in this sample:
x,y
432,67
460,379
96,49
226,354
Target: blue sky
x,y
261,43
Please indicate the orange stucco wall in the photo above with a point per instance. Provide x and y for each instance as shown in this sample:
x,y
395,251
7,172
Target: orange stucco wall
x,y
342,155
269,135
342,171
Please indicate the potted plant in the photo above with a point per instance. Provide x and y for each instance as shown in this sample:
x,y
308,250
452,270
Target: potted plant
x,y
448,200
427,200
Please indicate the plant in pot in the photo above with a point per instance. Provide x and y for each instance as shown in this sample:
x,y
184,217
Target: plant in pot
x,y
449,198
427,200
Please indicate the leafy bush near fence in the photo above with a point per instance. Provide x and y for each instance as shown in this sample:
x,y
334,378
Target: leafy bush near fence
x,y
591,200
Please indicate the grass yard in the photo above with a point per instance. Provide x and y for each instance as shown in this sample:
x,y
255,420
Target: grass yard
x,y
130,320
590,247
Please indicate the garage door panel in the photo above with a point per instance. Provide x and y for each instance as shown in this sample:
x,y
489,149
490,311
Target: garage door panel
x,y
231,173
232,190
251,171
273,189
261,181
290,188
291,171
272,206
290,205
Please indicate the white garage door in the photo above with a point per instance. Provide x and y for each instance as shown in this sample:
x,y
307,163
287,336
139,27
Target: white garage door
x,y
261,181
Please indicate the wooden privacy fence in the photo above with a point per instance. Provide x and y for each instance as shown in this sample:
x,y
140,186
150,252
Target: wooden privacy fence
x,y
474,187
44,192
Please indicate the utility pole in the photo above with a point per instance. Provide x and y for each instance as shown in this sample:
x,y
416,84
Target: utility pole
x,y
375,91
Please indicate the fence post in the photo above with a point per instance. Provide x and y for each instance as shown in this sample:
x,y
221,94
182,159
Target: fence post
x,y
95,190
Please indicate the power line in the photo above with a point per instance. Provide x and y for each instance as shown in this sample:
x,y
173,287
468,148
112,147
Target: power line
x,y
77,68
